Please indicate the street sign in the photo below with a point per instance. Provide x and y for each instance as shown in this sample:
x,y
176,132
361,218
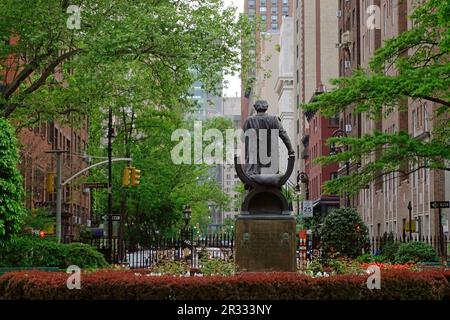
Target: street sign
x,y
115,217
439,204
307,209
95,185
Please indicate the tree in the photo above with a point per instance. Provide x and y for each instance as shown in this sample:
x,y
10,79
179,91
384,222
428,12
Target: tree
x,y
413,67
140,57
51,70
155,207
344,232
39,219
11,187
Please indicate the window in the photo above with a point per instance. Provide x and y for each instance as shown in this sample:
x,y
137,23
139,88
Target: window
x,y
392,10
263,9
274,26
251,12
334,175
274,10
274,2
285,10
334,121
296,50
285,2
251,3
425,116
384,19
263,3
364,48
43,129
274,19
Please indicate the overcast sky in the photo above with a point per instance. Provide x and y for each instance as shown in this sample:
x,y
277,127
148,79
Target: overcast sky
x,y
234,83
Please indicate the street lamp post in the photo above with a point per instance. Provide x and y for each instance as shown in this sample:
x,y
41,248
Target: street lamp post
x,y
110,199
187,216
302,177
333,150
185,233
410,220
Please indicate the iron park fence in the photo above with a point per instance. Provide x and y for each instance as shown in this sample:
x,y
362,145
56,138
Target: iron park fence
x,y
137,255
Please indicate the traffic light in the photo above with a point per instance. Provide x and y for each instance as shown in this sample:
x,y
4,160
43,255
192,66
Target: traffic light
x,y
135,177
50,182
126,176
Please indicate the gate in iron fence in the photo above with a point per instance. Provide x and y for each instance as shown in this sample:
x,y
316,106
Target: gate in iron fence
x,y
147,254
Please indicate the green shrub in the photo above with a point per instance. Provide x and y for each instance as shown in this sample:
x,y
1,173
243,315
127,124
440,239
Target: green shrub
x,y
12,211
413,252
83,255
217,267
389,247
365,258
314,266
344,233
169,267
30,251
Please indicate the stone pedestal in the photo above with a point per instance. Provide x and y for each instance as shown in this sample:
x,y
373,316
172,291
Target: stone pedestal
x,y
265,243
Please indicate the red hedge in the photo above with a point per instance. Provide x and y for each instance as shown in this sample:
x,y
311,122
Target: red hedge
x,y
108,284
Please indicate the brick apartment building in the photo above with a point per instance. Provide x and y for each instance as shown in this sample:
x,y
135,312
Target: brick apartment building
x,y
316,62
36,163
383,203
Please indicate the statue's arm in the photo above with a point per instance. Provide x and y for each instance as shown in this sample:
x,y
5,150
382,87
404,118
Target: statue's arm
x,y
285,138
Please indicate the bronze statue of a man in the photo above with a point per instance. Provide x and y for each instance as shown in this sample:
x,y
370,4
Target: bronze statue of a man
x,y
260,131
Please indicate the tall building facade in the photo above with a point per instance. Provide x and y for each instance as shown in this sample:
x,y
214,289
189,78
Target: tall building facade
x,y
231,110
383,204
316,63
349,44
270,13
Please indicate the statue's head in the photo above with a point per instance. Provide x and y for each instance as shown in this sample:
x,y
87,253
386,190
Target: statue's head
x,y
261,106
